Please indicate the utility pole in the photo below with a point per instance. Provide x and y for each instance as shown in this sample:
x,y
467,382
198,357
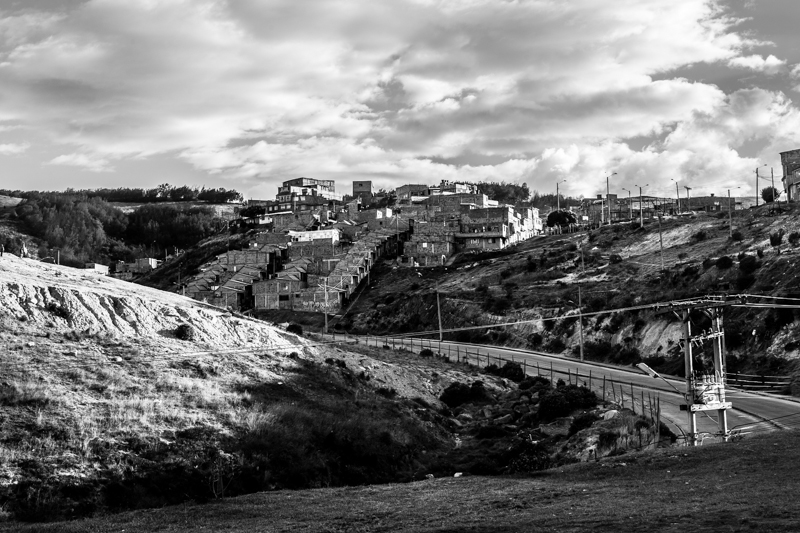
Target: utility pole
x,y
677,196
660,242
580,319
608,199
558,197
630,206
325,288
688,200
730,214
641,208
756,186
439,310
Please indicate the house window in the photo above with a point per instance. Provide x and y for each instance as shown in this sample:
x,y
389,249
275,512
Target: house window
x,y
283,297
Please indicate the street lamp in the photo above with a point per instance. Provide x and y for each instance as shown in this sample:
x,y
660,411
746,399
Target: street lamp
x,y
630,206
558,198
641,210
730,214
608,200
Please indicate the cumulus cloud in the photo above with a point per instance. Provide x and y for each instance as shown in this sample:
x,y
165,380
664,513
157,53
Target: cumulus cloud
x,y
770,65
259,92
13,148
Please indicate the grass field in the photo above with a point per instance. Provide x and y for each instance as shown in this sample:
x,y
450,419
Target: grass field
x,y
750,485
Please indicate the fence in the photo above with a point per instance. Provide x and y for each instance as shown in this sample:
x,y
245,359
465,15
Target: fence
x,y
609,390
759,383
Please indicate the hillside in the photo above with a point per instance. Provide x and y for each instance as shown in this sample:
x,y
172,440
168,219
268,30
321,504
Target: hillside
x,y
750,485
616,267
117,396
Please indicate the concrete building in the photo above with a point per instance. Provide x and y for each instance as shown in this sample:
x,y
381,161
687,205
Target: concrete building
x,y
363,190
790,162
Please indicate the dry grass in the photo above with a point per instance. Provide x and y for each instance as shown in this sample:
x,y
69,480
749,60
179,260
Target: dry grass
x,y
745,486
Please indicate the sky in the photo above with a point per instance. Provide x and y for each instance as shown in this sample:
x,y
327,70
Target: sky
x,y
245,94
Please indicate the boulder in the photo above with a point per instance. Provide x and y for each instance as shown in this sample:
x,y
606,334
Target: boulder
x,y
560,426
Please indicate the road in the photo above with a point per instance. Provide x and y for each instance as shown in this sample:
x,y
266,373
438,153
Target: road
x,y
751,413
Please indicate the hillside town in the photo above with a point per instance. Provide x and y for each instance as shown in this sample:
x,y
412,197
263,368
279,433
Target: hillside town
x,y
317,246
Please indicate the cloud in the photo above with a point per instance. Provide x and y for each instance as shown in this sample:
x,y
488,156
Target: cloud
x,y
769,65
259,92
13,148
84,161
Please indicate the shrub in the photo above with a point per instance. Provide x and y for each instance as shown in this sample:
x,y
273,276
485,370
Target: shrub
x,y
510,370
59,310
184,332
426,352
748,264
535,384
459,393
775,239
297,329
582,421
555,345
535,339
614,259
414,286
699,236
794,238
737,236
724,262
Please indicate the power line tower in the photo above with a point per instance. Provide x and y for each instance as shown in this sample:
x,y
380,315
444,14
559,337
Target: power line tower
x,y
705,388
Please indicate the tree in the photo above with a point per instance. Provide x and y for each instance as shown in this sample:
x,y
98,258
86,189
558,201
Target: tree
x,y
770,194
560,218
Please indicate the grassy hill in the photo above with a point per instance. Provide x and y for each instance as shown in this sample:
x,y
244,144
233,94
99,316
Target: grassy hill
x,y
743,486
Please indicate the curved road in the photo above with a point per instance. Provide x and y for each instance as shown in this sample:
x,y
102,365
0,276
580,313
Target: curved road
x,y
751,413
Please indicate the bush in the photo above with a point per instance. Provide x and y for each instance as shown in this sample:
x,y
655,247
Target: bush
x,y
535,384
737,236
775,239
565,399
582,421
426,352
511,371
184,332
745,281
614,259
59,310
724,262
297,329
794,238
699,236
460,393
555,345
748,264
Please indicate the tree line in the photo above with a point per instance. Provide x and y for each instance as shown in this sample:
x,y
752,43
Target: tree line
x,y
85,228
163,193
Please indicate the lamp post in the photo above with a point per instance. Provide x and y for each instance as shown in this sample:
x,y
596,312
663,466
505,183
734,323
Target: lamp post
x,y
558,197
641,210
608,199
730,214
677,195
630,207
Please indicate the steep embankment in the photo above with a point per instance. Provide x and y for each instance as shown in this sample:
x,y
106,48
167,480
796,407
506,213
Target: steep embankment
x,y
115,395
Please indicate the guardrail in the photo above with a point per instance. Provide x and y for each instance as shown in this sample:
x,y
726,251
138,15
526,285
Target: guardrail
x,y
759,383
608,389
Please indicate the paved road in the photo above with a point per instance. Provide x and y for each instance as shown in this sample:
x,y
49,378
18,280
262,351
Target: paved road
x,y
749,414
